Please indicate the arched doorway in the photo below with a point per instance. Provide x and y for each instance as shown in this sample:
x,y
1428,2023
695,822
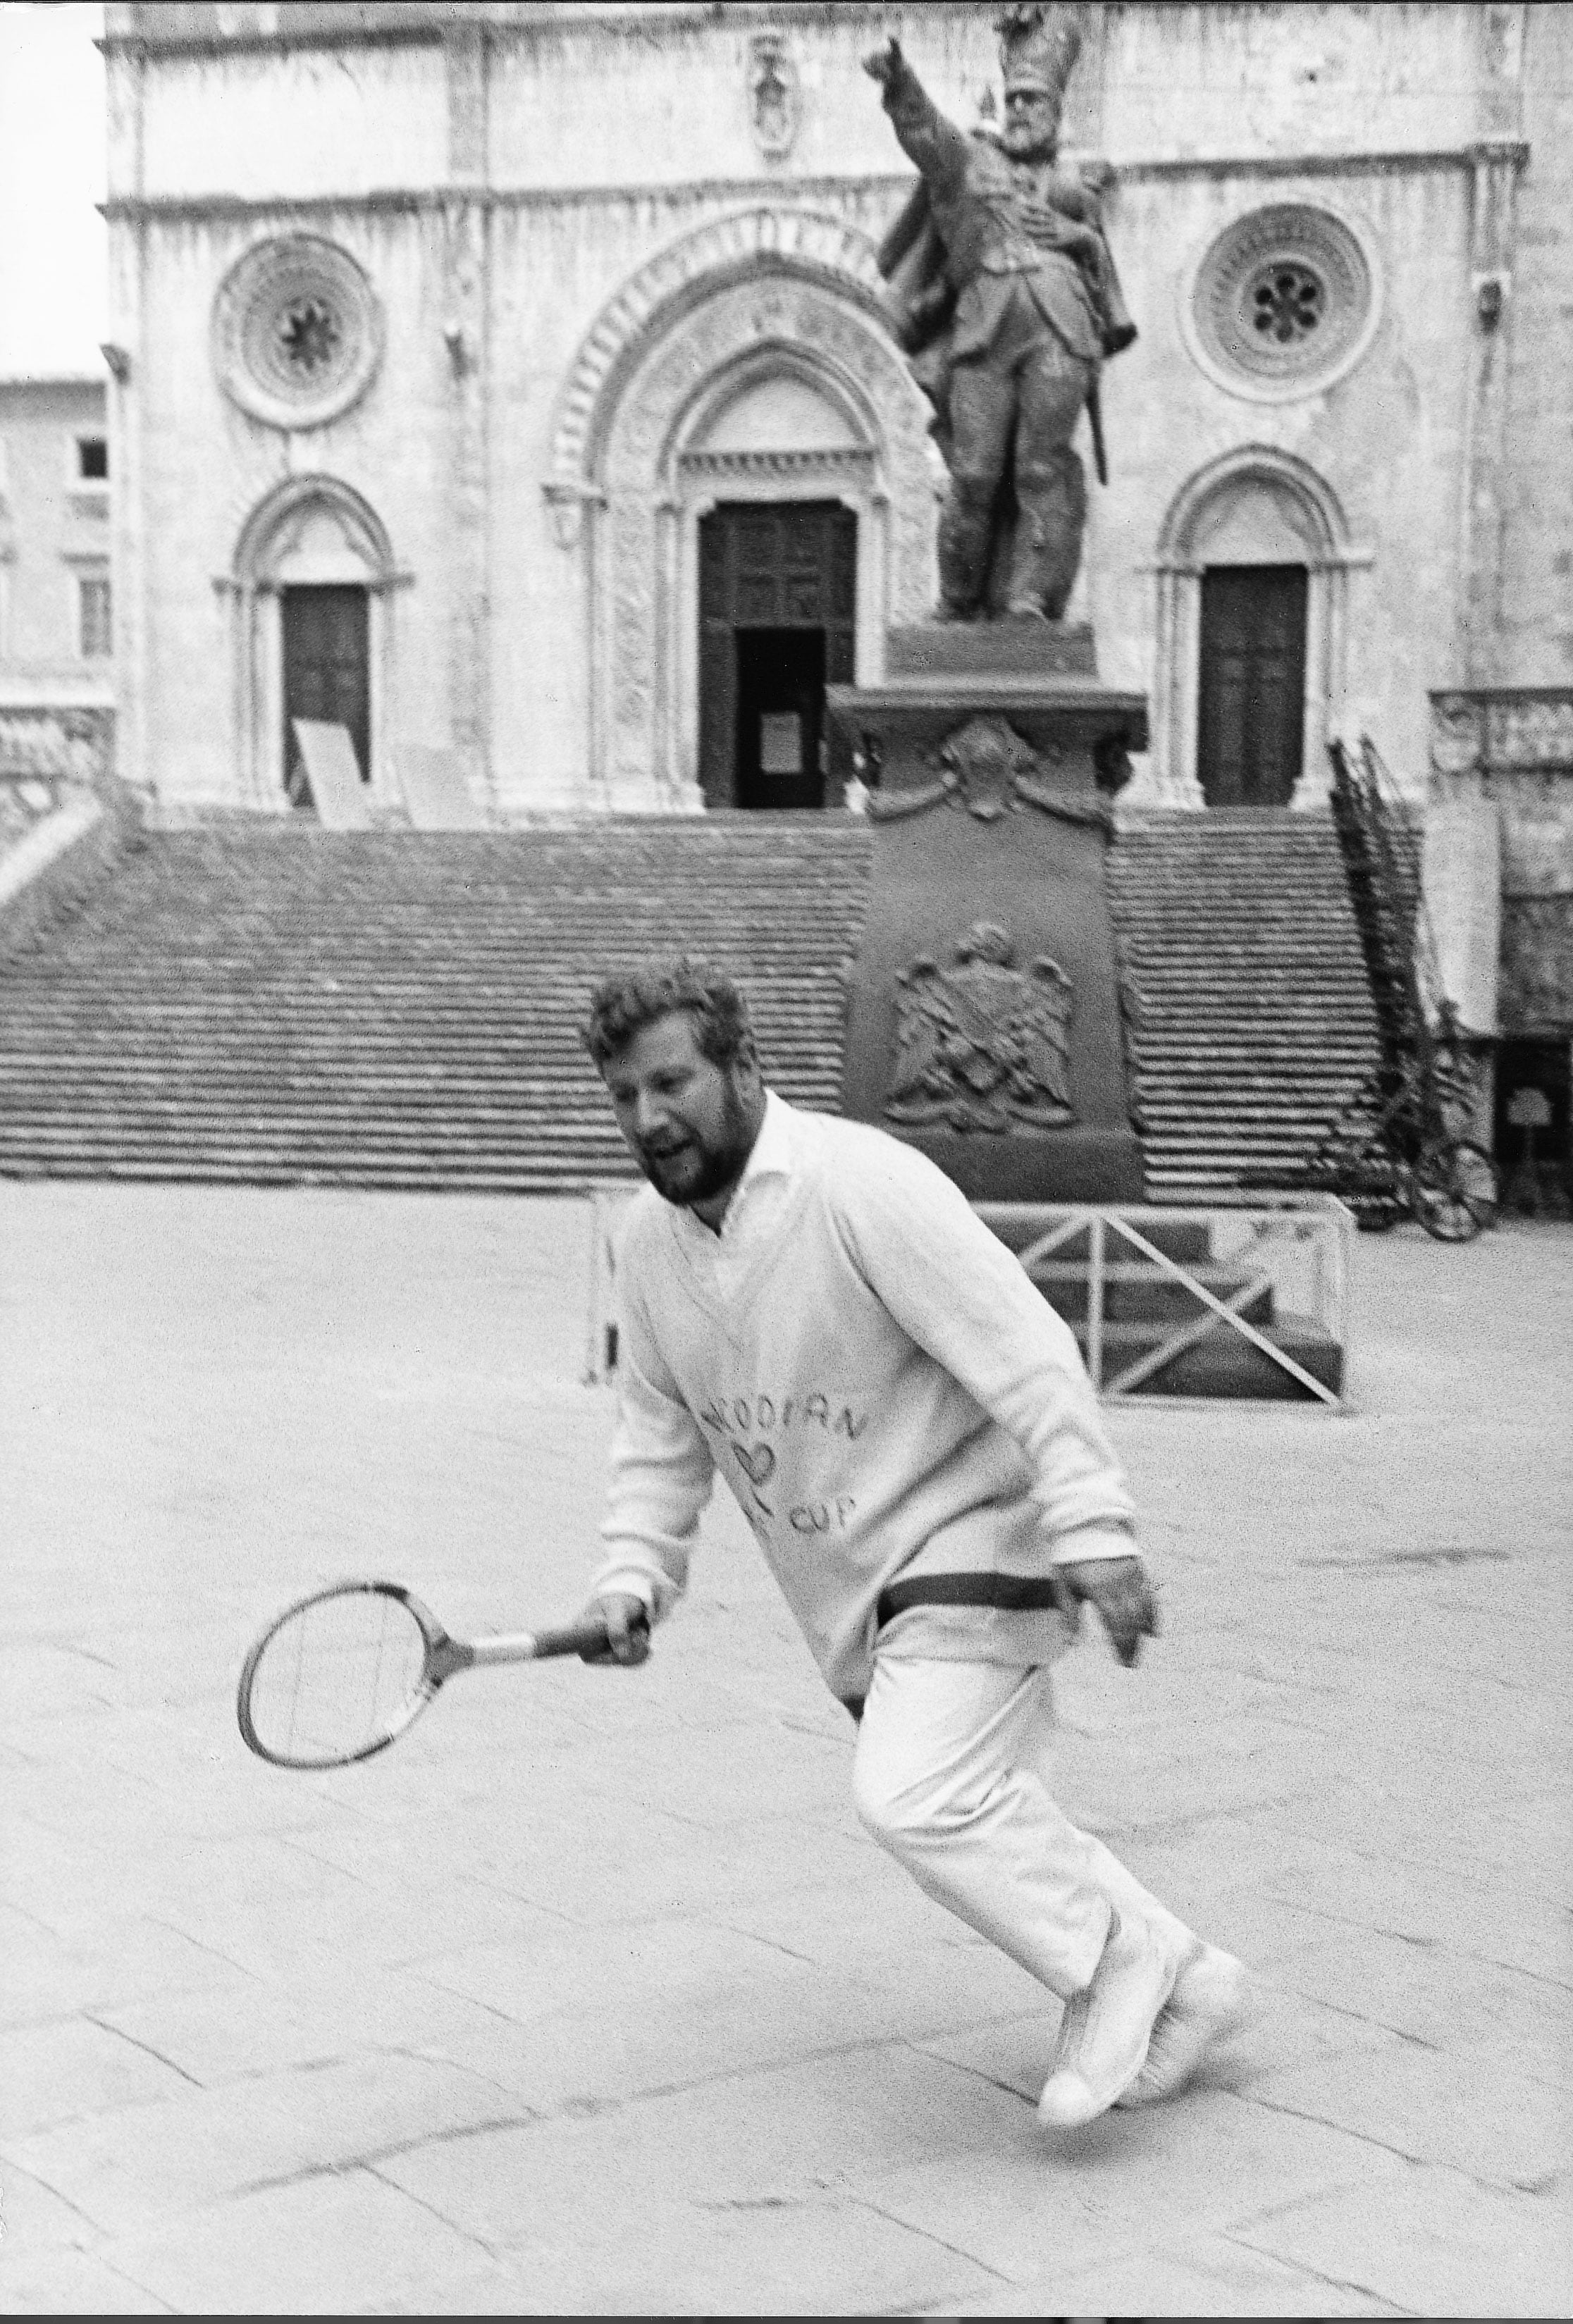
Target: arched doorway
x,y
740,425
777,591
1254,565
312,591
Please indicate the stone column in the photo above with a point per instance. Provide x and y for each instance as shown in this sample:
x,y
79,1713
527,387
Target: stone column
x,y
1461,864
124,354
1498,158
466,227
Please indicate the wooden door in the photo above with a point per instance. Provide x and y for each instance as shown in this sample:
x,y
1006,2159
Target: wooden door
x,y
781,757
326,672
772,565
1251,715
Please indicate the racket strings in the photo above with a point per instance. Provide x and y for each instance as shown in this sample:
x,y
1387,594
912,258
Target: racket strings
x,y
337,1677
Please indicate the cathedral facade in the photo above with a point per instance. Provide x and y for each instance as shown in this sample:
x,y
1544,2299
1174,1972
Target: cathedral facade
x,y
511,382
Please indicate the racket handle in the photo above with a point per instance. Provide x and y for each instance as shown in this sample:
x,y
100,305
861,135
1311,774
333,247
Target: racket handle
x,y
587,1640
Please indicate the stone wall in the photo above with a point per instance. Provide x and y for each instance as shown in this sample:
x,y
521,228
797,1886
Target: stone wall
x,y
1536,646
1381,447
1504,756
65,819
54,529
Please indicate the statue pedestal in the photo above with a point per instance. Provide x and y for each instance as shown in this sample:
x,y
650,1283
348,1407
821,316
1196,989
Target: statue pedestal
x,y
984,1007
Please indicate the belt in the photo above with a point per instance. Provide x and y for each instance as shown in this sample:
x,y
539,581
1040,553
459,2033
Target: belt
x,y
1010,1593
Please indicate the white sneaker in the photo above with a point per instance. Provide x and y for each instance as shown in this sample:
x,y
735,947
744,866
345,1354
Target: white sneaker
x,y
1104,2033
1210,2001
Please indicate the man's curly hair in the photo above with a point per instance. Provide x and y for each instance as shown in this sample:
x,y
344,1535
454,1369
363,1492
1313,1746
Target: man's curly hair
x,y
661,986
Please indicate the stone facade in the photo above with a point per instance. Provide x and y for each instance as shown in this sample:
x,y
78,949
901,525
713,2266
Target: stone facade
x,y
585,272
55,530
1500,857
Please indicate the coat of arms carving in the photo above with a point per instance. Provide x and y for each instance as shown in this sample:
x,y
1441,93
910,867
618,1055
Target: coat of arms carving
x,y
985,768
987,760
775,102
983,1044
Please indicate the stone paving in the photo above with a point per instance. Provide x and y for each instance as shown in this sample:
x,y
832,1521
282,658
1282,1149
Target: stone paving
x,y
590,1995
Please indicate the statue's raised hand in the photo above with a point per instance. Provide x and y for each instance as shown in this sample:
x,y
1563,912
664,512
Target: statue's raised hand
x,y
883,64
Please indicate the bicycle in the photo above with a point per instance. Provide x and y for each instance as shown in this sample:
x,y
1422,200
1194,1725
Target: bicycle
x,y
1412,1163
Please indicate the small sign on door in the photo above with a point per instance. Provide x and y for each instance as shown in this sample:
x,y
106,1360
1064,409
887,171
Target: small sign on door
x,y
1529,1109
781,743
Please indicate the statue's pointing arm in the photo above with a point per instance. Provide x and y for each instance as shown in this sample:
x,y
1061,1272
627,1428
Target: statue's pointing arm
x,y
937,146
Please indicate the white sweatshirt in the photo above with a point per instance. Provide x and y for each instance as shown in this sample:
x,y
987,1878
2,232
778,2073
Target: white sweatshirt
x,y
883,1390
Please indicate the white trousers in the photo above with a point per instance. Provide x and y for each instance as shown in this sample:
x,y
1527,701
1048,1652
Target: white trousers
x,y
952,1776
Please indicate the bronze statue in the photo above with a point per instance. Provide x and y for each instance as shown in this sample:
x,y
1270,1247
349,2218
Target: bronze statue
x,y
1004,293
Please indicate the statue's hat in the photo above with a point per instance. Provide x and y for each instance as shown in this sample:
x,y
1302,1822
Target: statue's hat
x,y
1038,46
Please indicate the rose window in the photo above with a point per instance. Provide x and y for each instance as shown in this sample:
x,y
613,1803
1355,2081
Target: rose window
x,y
1286,303
297,332
1282,303
309,336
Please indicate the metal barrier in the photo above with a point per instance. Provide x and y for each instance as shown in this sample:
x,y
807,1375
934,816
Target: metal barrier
x,y
1293,1253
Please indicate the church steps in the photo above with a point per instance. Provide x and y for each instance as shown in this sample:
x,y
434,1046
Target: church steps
x,y
258,999
1256,1028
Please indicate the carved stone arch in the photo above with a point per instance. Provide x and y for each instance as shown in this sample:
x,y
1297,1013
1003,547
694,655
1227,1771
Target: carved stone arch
x,y
308,530
747,244
274,530
771,292
771,363
1259,467
1256,503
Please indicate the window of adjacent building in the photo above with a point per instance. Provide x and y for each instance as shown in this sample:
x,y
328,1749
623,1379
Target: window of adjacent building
x,y
92,612
93,459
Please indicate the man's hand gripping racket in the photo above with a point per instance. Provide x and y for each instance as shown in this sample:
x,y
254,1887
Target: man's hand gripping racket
x,y
344,1673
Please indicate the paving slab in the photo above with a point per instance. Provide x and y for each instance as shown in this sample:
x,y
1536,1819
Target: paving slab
x,y
1085,2197
1207,2275
337,2244
592,1996
1431,2242
1433,2105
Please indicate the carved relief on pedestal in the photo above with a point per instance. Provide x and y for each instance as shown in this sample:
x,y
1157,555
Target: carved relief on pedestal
x,y
1458,733
1528,733
987,768
50,746
982,1044
1537,962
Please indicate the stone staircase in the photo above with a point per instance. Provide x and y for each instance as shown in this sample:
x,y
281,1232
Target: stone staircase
x,y
1257,1031
263,1001
272,1004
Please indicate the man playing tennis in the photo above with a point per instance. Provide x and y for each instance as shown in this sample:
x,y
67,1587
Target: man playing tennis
x,y
813,1309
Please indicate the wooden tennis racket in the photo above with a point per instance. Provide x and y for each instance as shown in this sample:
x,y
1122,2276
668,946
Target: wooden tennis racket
x,y
346,1672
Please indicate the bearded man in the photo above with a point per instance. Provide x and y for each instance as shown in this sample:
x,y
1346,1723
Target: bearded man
x,y
812,1310
1005,292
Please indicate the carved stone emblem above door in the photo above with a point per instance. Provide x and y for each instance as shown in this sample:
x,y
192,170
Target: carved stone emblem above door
x,y
775,97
